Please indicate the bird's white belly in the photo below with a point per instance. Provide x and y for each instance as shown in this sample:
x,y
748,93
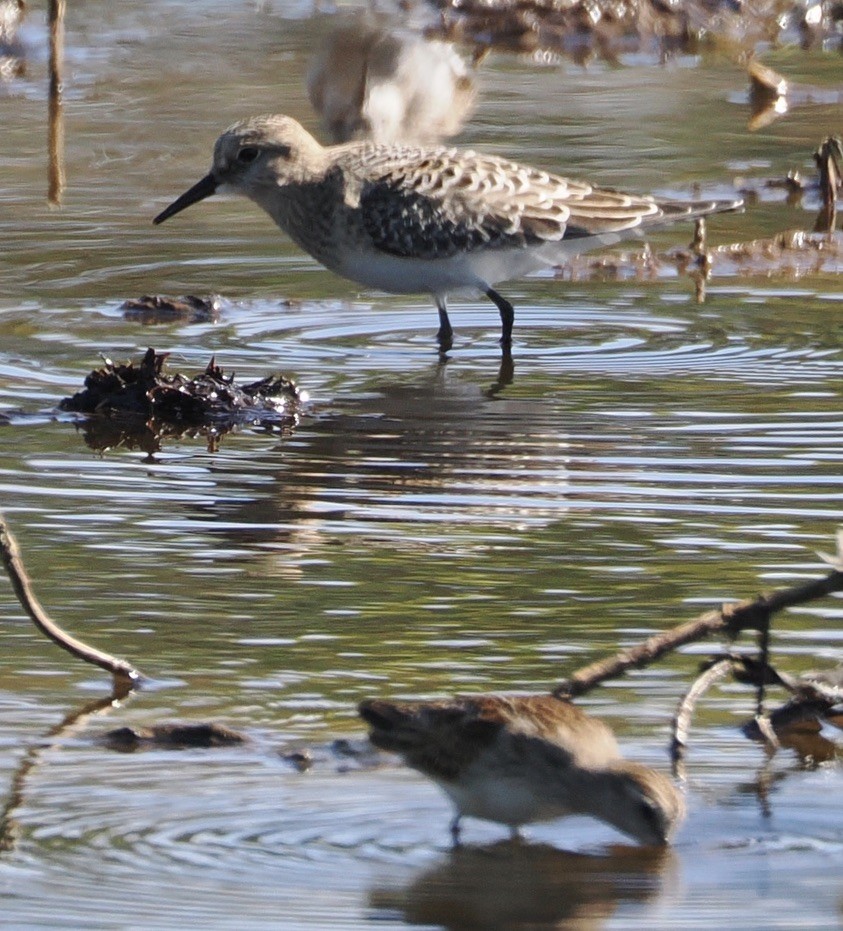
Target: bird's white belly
x,y
401,275
503,799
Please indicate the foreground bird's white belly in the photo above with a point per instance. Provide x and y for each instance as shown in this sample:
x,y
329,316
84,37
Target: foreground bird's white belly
x,y
506,799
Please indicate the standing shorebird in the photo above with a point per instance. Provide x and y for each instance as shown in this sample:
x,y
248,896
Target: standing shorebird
x,y
519,759
410,219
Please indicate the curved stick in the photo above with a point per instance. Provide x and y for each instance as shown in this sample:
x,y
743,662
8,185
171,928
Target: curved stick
x,y
124,674
730,620
682,718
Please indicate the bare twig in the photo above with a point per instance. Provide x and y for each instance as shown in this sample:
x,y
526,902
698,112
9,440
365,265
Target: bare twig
x,y
764,660
767,731
822,687
730,620
682,719
829,159
812,698
55,122
124,674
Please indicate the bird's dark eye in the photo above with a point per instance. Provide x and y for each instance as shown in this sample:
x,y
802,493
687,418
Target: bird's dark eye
x,y
247,154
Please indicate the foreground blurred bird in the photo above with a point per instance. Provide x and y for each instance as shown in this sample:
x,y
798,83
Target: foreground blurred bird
x,y
412,219
520,759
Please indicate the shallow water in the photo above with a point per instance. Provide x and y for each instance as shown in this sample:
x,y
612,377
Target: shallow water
x,y
427,527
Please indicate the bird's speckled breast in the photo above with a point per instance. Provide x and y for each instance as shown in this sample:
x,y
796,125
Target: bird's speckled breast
x,y
314,217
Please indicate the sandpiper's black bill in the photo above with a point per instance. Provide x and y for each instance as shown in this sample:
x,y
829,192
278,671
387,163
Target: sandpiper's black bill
x,y
199,191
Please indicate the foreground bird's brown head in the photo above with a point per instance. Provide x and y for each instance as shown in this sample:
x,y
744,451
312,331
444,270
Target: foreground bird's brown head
x,y
640,802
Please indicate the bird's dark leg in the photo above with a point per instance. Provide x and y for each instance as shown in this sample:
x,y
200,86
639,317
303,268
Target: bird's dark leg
x,y
445,336
455,830
507,315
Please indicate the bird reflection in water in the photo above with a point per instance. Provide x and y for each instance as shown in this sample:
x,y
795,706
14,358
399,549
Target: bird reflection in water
x,y
527,886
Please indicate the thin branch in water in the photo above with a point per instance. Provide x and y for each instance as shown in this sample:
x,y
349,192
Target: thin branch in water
x,y
766,730
125,675
685,709
729,620
764,660
55,122
762,719
813,698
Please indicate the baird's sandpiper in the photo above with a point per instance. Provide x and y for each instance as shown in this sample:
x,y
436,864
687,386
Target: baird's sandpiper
x,y
519,759
414,219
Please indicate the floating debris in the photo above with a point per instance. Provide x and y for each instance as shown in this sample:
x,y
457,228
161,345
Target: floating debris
x,y
137,405
771,95
789,254
828,159
767,95
765,85
302,759
158,308
826,187
342,755
580,29
171,737
125,677
583,29
787,251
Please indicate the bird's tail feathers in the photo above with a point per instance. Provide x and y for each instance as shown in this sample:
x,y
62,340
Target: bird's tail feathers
x,y
691,210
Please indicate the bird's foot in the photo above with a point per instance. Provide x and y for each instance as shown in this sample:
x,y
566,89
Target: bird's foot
x,y
445,338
